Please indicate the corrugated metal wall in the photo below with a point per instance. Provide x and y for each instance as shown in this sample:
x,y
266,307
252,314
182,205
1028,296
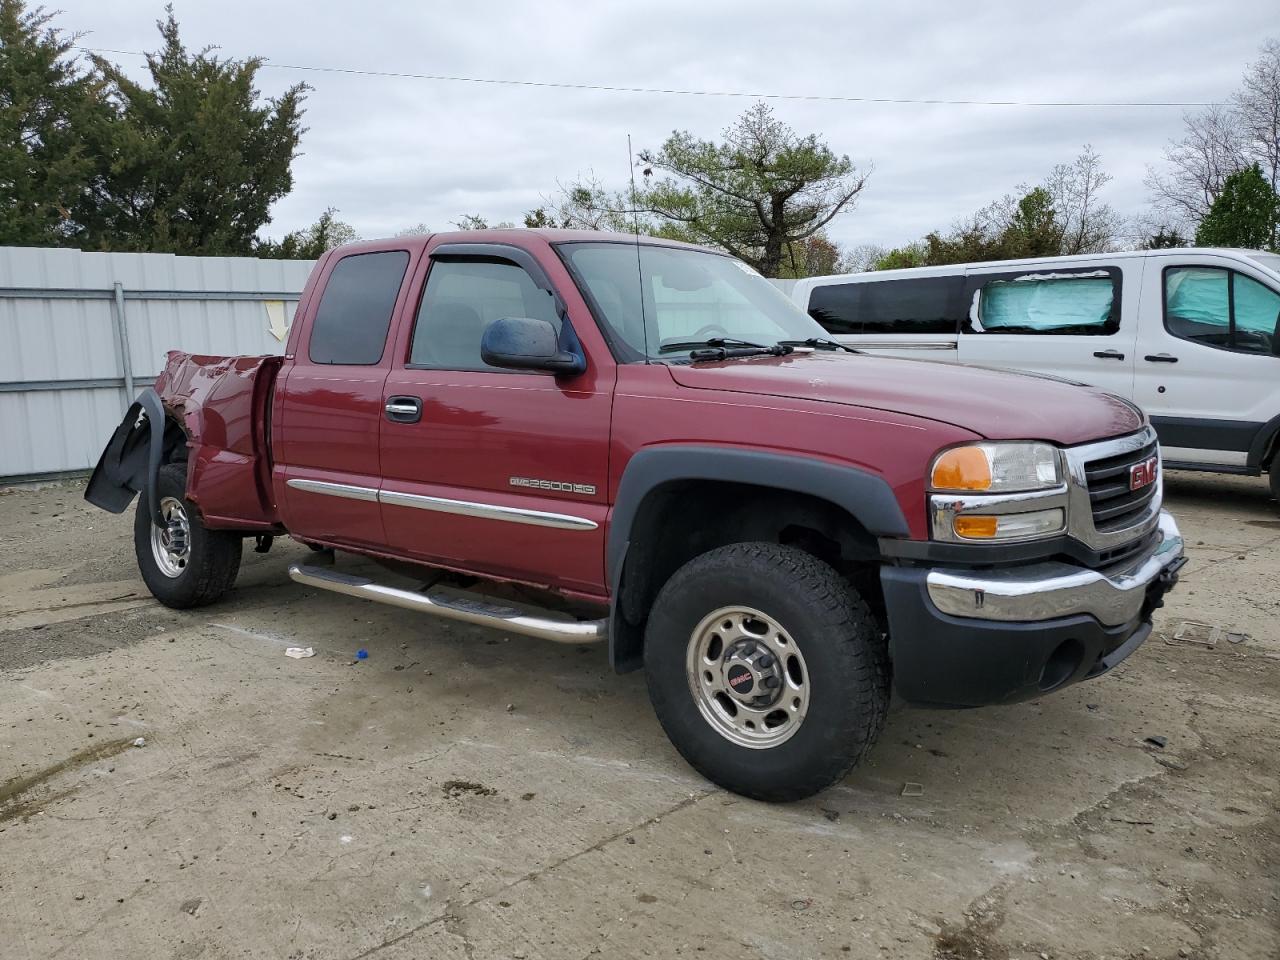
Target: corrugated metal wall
x,y
82,333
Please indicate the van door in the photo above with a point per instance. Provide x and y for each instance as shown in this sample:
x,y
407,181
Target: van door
x,y
1073,322
1208,368
912,316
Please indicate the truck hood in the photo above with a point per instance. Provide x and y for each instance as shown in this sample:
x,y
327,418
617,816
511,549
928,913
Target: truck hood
x,y
991,403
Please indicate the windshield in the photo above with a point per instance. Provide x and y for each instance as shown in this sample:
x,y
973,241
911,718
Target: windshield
x,y
1269,260
689,297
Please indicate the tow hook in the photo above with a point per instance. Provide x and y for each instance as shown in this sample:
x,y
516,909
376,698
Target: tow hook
x,y
262,542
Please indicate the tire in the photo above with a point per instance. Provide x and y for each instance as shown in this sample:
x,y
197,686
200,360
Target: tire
x,y
785,602
1274,474
190,577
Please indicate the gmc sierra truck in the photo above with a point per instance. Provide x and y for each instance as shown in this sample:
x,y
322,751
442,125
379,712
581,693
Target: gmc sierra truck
x,y
595,437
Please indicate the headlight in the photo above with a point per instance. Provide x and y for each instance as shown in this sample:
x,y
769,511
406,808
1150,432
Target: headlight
x,y
996,468
998,491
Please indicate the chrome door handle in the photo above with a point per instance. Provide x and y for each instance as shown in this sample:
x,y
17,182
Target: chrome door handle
x,y
403,409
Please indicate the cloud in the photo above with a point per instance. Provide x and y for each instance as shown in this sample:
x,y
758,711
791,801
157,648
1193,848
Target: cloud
x,y
393,152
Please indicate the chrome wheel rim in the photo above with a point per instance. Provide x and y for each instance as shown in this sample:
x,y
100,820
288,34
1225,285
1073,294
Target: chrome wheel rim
x,y
171,544
748,677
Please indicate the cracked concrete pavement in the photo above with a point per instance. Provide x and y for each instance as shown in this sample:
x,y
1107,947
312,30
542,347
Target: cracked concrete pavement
x,y
465,794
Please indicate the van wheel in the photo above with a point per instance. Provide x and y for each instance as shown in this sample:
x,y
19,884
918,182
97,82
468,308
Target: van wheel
x,y
183,564
763,668
1274,473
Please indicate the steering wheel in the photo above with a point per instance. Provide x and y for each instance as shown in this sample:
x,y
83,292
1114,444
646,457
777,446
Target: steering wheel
x,y
705,333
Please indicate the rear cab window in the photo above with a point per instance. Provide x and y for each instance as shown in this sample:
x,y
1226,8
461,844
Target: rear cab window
x,y
1062,303
354,313
1221,308
916,305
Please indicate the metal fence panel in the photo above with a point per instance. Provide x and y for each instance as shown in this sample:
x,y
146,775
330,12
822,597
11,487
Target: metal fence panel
x,y
64,378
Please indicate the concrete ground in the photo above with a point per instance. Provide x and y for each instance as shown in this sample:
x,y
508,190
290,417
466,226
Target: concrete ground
x,y
465,794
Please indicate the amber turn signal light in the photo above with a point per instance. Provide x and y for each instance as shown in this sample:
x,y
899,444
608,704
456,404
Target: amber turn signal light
x,y
962,468
977,528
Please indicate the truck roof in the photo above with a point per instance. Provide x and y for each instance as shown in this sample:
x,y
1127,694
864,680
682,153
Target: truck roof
x,y
520,237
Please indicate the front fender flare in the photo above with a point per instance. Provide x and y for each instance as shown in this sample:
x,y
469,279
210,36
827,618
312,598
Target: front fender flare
x,y
867,497
131,460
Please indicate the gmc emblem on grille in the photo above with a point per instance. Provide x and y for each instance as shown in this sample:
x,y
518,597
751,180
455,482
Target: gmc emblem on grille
x,y
1144,474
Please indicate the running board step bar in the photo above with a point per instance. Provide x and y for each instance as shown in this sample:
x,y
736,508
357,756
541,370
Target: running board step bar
x,y
484,612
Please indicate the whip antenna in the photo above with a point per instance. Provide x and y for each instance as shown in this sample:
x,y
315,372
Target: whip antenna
x,y
635,230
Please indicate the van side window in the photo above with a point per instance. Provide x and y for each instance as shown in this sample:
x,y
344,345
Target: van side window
x,y
351,322
461,298
1221,308
1044,304
910,306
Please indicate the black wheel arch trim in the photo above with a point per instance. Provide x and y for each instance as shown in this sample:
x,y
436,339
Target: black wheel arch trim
x,y
131,460
868,498
1265,441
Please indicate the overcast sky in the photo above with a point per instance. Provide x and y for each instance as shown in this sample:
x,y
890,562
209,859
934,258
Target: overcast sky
x,y
390,153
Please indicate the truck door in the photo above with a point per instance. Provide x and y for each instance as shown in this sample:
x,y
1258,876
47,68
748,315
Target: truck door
x,y
1209,356
499,472
328,407
1078,322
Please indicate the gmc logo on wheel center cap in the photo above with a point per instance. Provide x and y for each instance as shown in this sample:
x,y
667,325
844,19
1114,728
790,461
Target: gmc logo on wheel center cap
x,y
1144,474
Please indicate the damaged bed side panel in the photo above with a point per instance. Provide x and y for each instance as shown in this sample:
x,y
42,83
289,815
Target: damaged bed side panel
x,y
210,411
222,404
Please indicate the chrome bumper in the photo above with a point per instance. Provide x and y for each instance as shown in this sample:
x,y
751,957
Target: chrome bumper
x,y
1052,589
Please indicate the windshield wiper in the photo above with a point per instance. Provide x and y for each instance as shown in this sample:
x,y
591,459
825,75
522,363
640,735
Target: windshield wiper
x,y
754,350
669,346
817,342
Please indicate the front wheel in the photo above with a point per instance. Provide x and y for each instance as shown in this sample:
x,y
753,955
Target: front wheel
x,y
766,670
183,564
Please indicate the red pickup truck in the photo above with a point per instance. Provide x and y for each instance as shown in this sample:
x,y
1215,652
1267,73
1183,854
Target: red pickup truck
x,y
582,436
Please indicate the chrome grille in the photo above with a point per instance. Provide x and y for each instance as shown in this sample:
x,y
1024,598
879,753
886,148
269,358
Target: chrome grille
x,y
1104,514
1113,504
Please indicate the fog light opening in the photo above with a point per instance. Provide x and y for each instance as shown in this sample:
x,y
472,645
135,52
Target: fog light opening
x,y
1062,664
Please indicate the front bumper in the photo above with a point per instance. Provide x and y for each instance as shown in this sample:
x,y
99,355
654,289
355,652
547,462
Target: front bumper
x,y
1043,591
963,637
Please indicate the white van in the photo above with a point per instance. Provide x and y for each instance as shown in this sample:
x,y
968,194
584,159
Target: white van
x,y
1192,336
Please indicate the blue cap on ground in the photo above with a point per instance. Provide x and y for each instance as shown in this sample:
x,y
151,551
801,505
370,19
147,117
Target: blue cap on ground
x,y
362,654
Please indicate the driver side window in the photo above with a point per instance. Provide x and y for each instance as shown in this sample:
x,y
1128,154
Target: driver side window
x,y
461,298
1221,308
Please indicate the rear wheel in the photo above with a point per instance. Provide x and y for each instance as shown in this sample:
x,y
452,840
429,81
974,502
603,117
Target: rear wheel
x,y
765,669
183,564
1275,477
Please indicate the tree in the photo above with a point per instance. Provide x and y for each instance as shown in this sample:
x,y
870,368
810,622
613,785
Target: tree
x,y
196,159
585,204
310,242
1164,238
760,190
1219,141
1087,224
1257,105
1197,165
1244,215
815,256
47,105
473,221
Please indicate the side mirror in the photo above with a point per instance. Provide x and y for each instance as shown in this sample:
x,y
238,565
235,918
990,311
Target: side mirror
x,y
523,343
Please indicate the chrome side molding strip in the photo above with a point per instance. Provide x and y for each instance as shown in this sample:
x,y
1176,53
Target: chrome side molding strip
x,y
345,490
481,611
485,511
